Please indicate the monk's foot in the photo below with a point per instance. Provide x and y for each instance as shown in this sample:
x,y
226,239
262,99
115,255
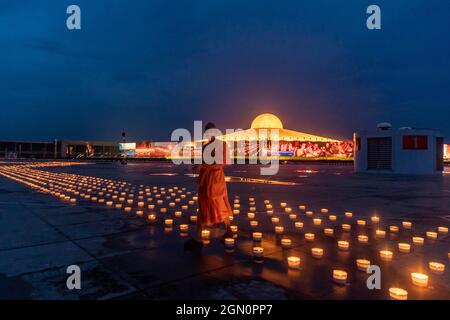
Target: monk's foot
x,y
228,234
193,244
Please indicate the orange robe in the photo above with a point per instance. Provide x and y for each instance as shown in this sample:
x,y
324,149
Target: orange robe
x,y
213,203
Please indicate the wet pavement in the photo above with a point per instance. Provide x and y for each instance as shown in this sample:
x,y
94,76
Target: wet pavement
x,y
123,255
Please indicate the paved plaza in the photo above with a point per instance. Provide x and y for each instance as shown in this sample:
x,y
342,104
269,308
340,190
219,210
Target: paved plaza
x,y
124,255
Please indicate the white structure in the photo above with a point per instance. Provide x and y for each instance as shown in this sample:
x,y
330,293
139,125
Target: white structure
x,y
402,151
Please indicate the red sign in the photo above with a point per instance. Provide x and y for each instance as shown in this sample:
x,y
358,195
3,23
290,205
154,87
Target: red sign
x,y
415,142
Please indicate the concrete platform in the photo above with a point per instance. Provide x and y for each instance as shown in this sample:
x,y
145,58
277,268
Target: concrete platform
x,y
124,256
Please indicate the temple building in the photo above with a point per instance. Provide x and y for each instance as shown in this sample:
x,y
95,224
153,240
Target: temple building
x,y
268,127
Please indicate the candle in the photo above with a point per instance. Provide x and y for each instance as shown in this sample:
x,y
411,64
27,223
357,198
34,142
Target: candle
x,y
375,219
443,230
234,229
269,212
109,203
317,221
362,264
380,233
127,209
258,252
251,215
279,229
193,218
302,207
237,205
286,243
229,243
151,206
73,200
436,267
298,225
406,225
257,236
266,201
309,237
139,212
398,294
328,231
283,204
253,223
404,247
339,276
393,229
293,262
184,227
205,234
386,255
269,206
151,217
236,211
317,253
309,213
419,279
332,217
324,210
288,210
361,223
168,222
349,214
346,227
252,209
118,205
432,235
418,241
343,245
140,204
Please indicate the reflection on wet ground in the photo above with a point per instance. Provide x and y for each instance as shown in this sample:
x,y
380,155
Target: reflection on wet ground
x,y
130,245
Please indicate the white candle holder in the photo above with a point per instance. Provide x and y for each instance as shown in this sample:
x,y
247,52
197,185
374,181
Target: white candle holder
x,y
340,276
293,262
419,279
398,294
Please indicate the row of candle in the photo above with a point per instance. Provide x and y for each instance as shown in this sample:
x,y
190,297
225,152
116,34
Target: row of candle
x,y
343,245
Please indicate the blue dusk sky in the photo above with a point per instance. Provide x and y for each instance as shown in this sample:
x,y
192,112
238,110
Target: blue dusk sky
x,y
152,66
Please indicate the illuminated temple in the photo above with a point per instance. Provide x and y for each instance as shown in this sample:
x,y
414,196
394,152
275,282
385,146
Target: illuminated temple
x,y
268,127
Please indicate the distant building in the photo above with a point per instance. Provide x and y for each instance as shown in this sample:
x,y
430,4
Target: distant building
x,y
30,149
401,151
58,149
89,149
291,143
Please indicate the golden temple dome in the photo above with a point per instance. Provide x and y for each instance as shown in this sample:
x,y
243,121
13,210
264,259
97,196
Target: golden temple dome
x,y
267,121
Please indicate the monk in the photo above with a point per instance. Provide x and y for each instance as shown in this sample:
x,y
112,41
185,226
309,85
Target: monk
x,y
214,207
